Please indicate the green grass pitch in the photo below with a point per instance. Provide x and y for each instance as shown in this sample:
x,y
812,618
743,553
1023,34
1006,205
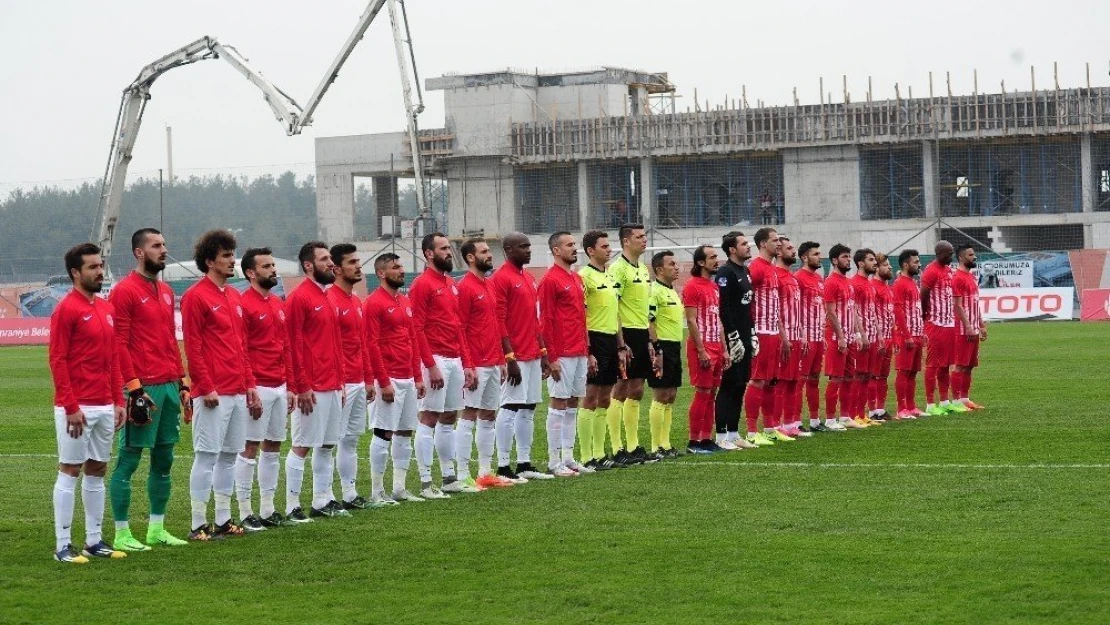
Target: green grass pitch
x,y
997,517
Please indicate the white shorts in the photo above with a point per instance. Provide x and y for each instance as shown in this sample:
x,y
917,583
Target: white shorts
x,y
354,410
223,428
487,396
450,397
399,415
321,427
95,442
275,416
572,383
530,390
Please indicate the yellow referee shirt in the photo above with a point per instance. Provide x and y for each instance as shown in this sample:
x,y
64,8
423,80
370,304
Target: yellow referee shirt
x,y
601,300
634,284
666,311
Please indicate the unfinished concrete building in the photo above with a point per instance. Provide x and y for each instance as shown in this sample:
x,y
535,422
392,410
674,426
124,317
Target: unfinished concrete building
x,y
544,152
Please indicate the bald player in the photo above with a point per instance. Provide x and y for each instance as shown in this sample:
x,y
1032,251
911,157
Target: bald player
x,y
940,330
523,347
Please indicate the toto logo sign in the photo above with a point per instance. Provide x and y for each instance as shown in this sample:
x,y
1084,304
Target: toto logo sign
x,y
1054,304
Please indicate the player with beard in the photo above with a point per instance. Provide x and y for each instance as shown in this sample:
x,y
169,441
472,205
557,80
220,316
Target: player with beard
x,y
522,345
842,331
481,399
909,334
391,342
667,315
315,341
84,364
812,285
358,382
634,287
446,362
867,352
563,325
271,361
223,389
603,330
774,348
884,308
150,362
788,404
971,330
704,349
735,288
940,330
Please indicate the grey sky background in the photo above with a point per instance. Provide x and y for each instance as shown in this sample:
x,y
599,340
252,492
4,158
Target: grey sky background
x,y
66,63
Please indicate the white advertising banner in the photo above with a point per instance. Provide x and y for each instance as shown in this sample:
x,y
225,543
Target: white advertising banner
x,y
1048,304
1005,274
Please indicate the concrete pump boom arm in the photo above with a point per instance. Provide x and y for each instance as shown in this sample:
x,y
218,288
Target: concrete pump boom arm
x,y
290,114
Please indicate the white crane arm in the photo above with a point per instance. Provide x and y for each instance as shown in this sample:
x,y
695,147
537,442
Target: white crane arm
x,y
364,22
130,118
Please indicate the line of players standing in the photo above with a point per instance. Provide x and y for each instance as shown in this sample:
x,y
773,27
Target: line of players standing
x,y
404,366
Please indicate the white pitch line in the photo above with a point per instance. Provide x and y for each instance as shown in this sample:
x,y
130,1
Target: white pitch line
x,y
808,465
881,465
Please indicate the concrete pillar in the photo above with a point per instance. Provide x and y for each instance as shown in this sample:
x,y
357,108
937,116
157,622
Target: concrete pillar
x,y
335,207
640,103
1087,178
385,204
647,192
584,220
929,177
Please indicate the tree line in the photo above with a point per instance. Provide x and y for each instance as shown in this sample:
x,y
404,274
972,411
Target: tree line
x,y
39,223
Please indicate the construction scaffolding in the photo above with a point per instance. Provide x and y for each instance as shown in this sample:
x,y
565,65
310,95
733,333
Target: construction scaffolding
x,y
1019,177
849,123
695,192
1100,158
892,182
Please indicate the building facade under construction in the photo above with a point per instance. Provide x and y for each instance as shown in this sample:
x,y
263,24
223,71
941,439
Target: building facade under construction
x,y
538,153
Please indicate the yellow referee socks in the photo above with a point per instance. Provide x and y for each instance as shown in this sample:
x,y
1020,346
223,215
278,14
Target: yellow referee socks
x,y
613,417
586,434
600,423
665,429
655,420
632,423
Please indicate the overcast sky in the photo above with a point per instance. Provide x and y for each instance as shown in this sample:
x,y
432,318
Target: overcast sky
x,y
66,63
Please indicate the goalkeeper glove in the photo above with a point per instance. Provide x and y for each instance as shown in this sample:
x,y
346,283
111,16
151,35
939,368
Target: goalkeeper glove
x,y
736,349
755,344
138,407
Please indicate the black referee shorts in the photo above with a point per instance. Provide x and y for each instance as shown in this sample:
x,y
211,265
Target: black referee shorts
x,y
637,341
603,347
672,366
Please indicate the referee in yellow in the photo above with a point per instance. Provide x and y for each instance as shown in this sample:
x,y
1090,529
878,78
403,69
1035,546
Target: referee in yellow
x,y
634,285
665,316
603,371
